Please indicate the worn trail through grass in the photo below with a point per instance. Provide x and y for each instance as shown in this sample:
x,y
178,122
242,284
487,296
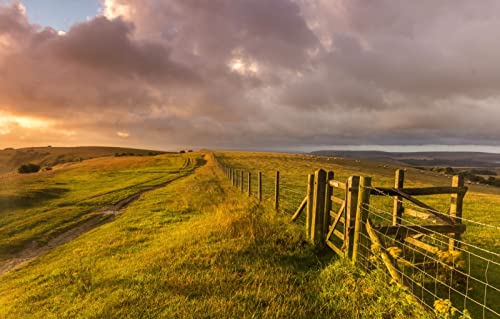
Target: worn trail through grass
x,y
99,217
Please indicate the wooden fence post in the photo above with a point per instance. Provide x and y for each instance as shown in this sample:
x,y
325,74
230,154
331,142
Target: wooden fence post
x,y
361,243
397,210
456,205
352,192
328,204
277,191
317,234
310,198
259,185
232,176
249,184
242,177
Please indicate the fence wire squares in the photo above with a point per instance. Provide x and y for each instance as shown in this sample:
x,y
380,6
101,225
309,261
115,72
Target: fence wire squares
x,y
468,275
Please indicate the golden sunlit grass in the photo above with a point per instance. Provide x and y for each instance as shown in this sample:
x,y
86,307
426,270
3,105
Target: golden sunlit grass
x,y
481,204
197,248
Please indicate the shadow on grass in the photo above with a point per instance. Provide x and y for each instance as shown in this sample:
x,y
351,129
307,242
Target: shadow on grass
x,y
28,199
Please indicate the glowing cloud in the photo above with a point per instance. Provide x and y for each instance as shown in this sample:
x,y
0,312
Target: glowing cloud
x,y
123,134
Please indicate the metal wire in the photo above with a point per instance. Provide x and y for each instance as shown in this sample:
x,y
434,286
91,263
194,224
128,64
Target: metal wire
x,y
431,210
453,269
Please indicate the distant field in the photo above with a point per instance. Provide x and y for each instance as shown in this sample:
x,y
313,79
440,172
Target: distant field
x,y
11,159
429,159
37,207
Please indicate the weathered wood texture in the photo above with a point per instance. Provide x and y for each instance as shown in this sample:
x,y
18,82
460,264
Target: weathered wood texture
x,y
277,191
309,208
259,186
456,209
360,241
318,211
397,210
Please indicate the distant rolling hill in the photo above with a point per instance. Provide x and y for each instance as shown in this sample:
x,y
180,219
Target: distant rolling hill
x,y
11,159
454,159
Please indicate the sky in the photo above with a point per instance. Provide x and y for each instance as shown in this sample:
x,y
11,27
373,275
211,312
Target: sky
x,y
251,74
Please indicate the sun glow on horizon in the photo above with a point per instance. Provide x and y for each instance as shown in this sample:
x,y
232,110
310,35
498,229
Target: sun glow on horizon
x,y
9,121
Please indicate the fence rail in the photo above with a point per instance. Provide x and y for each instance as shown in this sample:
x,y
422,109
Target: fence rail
x,y
420,247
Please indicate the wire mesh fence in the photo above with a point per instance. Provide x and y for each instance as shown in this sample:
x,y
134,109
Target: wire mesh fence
x,y
439,269
466,275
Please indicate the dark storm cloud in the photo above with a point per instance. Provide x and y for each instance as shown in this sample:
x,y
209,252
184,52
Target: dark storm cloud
x,y
255,73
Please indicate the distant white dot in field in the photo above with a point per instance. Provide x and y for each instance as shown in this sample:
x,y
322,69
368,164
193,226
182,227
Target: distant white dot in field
x,y
123,134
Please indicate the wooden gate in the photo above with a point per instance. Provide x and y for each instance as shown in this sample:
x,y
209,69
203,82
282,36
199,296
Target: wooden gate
x,y
341,201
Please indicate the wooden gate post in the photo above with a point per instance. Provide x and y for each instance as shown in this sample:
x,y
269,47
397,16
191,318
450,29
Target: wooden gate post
x,y
328,204
397,210
241,180
259,185
352,191
361,243
249,184
277,191
310,198
317,234
456,205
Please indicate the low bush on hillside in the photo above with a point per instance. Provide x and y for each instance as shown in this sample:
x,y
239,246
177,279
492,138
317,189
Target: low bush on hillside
x,y
28,168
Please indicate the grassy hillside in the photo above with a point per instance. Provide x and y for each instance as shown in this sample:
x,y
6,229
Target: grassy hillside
x,y
197,248
11,159
37,207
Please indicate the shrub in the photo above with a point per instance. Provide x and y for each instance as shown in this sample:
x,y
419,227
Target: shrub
x,y
28,168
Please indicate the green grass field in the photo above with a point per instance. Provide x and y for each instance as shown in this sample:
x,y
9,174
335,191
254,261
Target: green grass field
x,y
195,248
37,207
11,159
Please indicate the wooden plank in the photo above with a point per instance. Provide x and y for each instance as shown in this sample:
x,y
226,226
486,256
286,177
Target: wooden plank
x,y
309,208
249,189
337,184
328,203
277,191
379,249
422,245
338,216
241,180
339,234
335,248
299,210
415,213
415,201
397,209
351,201
438,190
317,235
334,215
456,204
259,185
337,200
403,230
360,241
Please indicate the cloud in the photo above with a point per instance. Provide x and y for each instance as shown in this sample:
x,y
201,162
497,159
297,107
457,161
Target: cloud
x,y
123,134
255,73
